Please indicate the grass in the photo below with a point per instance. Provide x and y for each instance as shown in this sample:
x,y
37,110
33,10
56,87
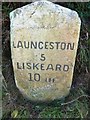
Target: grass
x,y
76,104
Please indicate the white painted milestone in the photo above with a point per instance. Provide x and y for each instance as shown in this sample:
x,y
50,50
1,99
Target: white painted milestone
x,y
44,41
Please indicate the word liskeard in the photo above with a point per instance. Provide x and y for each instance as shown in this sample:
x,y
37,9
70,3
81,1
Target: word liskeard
x,y
44,41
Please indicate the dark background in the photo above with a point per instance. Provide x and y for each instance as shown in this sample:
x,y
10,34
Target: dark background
x,y
76,104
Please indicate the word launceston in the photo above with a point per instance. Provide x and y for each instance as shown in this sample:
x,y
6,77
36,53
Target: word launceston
x,y
44,45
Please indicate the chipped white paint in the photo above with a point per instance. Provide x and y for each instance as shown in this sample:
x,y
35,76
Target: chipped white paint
x,y
44,40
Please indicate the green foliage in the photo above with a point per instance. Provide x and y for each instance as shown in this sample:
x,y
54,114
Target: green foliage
x,y
48,112
77,108
14,114
20,113
82,8
7,10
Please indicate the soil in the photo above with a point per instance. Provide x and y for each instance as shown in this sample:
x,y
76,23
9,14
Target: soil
x,y
12,98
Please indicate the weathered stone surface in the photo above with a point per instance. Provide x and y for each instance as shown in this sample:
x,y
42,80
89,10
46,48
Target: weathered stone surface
x,y
44,40
48,0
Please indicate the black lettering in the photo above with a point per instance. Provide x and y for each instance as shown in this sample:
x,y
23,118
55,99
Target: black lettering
x,y
30,76
63,46
42,67
22,66
65,68
28,65
18,66
70,46
50,80
57,45
36,77
35,66
19,44
33,45
14,45
50,67
26,44
40,45
51,45
58,67
46,46
42,57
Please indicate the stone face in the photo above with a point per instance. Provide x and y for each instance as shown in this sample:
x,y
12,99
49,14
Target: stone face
x,y
44,40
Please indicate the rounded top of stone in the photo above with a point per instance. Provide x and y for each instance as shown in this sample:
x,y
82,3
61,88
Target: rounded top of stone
x,y
35,13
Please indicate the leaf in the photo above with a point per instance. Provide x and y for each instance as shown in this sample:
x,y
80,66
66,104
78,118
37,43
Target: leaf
x,y
14,114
